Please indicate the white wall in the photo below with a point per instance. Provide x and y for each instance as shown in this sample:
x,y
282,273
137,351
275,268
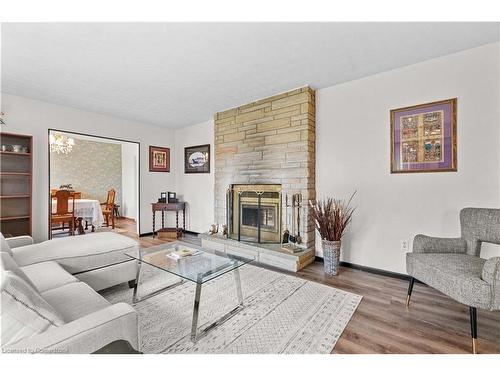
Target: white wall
x,y
34,117
129,180
353,153
196,189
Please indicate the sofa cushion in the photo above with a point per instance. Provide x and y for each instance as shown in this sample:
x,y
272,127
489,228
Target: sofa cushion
x,y
24,312
456,275
48,275
4,246
8,264
78,253
75,300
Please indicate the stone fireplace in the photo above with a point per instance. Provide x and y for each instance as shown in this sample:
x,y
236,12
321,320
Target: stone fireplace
x,y
265,151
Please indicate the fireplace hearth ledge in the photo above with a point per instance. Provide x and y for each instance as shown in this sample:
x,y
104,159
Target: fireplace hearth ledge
x,y
268,254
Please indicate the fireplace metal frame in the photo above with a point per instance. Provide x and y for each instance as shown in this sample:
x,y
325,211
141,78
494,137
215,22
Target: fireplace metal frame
x,y
236,191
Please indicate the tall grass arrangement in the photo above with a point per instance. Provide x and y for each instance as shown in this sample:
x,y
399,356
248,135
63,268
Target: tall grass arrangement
x,y
332,216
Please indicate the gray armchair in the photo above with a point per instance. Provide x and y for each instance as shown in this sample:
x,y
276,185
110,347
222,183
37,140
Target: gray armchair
x,y
453,265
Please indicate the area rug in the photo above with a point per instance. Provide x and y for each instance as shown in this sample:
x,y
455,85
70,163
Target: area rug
x,y
282,313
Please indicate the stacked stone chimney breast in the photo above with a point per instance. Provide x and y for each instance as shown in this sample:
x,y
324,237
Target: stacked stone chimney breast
x,y
269,141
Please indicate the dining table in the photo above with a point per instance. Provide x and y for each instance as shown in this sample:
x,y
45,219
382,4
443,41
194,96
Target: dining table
x,y
88,210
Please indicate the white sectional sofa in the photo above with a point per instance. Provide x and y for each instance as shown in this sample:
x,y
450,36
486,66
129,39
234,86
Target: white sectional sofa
x,y
49,298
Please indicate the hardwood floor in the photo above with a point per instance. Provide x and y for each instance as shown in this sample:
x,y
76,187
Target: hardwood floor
x,y
434,323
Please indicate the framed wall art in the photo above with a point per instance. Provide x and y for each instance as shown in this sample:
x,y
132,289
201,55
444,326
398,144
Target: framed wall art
x,y
159,159
424,138
197,159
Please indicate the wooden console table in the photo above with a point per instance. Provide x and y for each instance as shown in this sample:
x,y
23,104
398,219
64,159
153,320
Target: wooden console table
x,y
179,206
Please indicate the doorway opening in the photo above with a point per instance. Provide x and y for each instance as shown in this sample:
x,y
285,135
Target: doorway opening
x,y
94,184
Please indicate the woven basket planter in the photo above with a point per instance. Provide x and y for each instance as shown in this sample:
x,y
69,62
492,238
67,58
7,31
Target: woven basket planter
x,y
331,257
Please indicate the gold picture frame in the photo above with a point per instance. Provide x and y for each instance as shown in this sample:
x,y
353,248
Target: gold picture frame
x,y
424,137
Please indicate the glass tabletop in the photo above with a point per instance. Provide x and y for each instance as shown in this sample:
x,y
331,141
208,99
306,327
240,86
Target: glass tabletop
x,y
200,267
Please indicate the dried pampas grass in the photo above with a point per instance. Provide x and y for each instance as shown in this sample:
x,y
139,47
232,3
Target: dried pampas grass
x,y
332,216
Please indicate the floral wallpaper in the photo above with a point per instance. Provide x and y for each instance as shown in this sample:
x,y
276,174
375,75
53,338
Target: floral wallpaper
x,y
91,167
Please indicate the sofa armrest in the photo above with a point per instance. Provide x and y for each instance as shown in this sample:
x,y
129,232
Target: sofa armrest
x,y
85,335
19,241
426,244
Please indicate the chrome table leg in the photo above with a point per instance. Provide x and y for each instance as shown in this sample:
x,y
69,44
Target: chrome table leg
x,y
238,286
195,335
136,299
137,275
196,311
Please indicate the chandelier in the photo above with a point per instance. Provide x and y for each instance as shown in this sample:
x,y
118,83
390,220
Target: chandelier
x,y
60,143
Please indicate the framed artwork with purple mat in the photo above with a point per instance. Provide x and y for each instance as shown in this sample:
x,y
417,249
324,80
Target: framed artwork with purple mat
x,y
424,138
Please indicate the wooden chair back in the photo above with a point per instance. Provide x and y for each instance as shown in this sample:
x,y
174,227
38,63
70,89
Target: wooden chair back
x,y
62,202
62,213
110,201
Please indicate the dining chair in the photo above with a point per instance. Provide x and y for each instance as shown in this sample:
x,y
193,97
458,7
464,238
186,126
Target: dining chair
x,y
62,212
108,208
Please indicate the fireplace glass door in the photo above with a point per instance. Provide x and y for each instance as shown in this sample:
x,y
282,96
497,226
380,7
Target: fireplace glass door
x,y
254,215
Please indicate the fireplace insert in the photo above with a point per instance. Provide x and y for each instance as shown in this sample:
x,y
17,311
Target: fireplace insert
x,y
254,213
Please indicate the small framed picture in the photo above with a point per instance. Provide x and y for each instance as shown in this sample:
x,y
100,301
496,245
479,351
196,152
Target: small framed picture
x,y
159,159
197,159
424,138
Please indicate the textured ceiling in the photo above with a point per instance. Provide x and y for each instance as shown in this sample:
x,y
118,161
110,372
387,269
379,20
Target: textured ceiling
x,y
179,74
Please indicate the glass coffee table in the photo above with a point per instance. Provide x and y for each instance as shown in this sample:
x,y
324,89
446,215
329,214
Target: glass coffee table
x,y
200,268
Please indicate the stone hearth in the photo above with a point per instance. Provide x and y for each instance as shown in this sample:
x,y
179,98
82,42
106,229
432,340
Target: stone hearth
x,y
268,254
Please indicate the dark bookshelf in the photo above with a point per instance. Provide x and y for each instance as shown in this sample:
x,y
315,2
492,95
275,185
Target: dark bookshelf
x,y
16,171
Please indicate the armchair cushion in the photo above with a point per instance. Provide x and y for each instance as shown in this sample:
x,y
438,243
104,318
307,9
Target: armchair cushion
x,y
456,275
427,244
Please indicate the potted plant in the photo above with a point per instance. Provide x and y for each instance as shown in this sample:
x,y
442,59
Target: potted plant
x,y
331,218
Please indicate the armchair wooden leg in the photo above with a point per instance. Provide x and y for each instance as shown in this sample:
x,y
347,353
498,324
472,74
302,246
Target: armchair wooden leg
x,y
473,328
410,289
